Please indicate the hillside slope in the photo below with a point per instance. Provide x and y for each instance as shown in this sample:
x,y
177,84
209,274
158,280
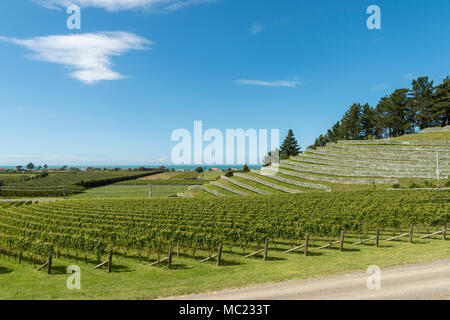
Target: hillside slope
x,y
408,161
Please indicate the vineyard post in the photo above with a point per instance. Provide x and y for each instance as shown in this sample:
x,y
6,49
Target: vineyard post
x,y
109,260
170,257
444,231
411,233
178,250
49,265
377,240
306,244
149,190
266,246
219,256
341,241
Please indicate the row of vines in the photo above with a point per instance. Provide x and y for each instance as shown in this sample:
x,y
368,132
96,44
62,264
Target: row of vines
x,y
152,226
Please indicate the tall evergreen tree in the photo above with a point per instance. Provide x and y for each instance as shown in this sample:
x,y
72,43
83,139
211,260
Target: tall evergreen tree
x,y
351,122
421,96
393,113
441,107
368,122
290,146
402,112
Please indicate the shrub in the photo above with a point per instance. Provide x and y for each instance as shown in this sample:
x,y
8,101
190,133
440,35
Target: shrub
x,y
245,168
396,186
447,184
428,184
229,173
413,185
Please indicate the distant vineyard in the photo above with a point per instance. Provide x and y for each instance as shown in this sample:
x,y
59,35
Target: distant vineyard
x,y
152,226
164,182
186,175
62,183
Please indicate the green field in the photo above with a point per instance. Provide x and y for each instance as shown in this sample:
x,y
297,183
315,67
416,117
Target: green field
x,y
133,280
58,184
163,182
141,231
426,136
130,191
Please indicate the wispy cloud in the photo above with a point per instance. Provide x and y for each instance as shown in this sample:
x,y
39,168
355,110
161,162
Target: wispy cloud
x,y
88,55
256,28
275,83
379,87
118,5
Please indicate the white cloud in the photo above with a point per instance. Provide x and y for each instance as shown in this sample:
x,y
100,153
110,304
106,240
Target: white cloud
x,y
256,28
117,5
88,55
276,83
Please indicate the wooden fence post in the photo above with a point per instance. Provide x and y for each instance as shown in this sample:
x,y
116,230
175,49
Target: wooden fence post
x,y
170,257
219,256
411,233
377,240
109,260
266,247
178,250
49,265
341,241
306,244
444,231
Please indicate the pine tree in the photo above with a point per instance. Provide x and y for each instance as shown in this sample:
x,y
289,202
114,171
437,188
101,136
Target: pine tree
x,y
290,146
351,122
441,108
421,96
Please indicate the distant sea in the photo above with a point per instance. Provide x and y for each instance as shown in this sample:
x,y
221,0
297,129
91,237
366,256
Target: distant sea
x,y
176,167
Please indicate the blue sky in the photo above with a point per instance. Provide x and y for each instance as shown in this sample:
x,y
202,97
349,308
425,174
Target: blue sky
x,y
230,63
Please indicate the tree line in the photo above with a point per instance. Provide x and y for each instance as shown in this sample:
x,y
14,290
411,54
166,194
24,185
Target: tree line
x,y
404,111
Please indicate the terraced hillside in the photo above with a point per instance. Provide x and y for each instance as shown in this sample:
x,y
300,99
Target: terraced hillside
x,y
347,165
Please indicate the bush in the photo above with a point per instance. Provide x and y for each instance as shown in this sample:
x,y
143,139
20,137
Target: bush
x,y
396,186
245,168
43,174
199,169
428,184
229,173
413,185
447,184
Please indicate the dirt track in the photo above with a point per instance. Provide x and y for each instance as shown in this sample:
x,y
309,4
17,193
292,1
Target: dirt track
x,y
429,280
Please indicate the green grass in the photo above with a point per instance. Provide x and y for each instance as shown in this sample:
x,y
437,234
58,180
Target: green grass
x,y
124,191
257,185
221,190
439,136
211,175
280,183
133,280
73,178
164,182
